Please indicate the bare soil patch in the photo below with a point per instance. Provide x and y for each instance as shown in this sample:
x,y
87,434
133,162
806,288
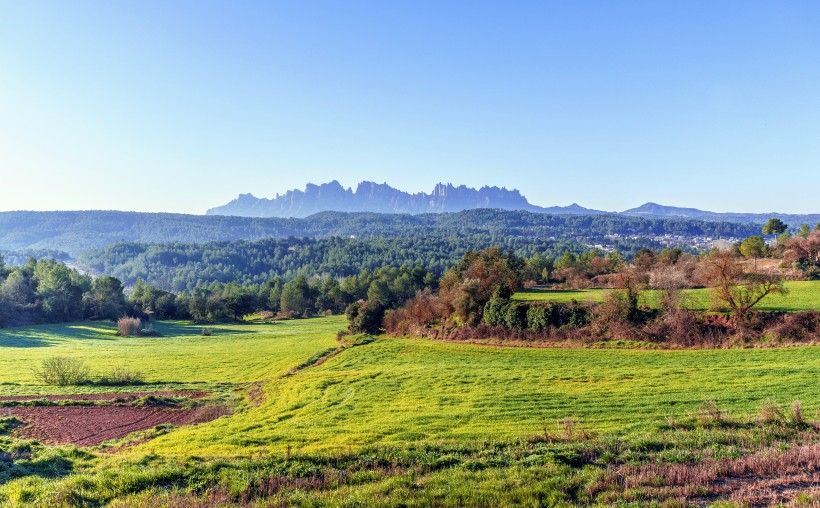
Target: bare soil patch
x,y
92,425
256,395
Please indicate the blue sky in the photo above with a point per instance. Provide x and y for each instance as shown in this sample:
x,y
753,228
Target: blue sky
x,y
180,106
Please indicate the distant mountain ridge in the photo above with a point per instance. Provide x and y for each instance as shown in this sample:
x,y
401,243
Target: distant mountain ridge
x,y
382,198
654,210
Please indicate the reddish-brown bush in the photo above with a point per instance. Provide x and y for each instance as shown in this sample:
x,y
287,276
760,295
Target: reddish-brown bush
x,y
129,327
799,327
417,315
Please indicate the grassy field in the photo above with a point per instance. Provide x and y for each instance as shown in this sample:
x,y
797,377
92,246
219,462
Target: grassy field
x,y
802,295
180,359
405,390
391,401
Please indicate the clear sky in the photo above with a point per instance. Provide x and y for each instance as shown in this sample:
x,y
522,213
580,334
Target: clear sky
x,y
180,106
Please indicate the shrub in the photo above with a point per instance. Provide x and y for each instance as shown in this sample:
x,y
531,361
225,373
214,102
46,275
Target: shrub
x,y
121,376
770,413
129,327
365,316
798,326
710,414
797,413
416,315
63,371
515,316
495,311
539,317
576,316
681,327
206,332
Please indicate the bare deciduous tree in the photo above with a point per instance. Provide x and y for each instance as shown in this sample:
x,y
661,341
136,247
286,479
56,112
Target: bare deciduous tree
x,y
735,289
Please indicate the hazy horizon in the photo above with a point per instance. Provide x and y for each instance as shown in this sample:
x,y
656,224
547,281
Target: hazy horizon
x,y
180,107
353,187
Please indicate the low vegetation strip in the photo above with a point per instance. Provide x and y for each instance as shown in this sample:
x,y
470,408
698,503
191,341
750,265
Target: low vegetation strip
x,y
317,359
763,478
114,397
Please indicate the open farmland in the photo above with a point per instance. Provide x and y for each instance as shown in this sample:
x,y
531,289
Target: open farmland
x,y
405,390
396,420
801,295
181,359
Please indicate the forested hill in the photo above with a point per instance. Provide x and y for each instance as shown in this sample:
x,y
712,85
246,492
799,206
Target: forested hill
x,y
352,242
75,232
178,266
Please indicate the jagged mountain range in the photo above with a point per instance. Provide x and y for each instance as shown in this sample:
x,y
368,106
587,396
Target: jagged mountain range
x,y
382,198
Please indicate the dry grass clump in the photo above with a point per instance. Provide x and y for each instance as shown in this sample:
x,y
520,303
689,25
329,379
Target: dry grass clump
x,y
797,413
129,327
770,413
710,415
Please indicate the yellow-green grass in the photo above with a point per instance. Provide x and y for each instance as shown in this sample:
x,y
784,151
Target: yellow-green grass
x,y
801,296
400,391
408,397
180,359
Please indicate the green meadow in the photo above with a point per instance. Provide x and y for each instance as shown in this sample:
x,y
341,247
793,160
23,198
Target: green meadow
x,y
179,359
394,391
400,390
800,296
449,411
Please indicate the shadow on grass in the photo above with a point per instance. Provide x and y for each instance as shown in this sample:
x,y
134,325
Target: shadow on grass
x,y
50,466
23,341
48,335
175,328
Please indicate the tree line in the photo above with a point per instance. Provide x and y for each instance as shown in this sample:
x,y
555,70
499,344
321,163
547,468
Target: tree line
x,y
48,291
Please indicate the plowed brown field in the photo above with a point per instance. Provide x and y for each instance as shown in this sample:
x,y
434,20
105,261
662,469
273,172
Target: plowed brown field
x,y
95,424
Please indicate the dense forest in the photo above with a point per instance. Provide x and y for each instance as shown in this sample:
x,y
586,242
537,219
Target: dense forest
x,y
177,266
75,232
47,291
342,244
